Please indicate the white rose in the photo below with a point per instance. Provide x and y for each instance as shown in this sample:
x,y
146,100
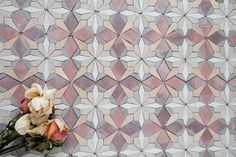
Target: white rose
x,y
40,109
23,124
35,91
40,105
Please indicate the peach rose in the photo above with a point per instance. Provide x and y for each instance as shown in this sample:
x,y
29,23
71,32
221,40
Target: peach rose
x,y
56,130
24,105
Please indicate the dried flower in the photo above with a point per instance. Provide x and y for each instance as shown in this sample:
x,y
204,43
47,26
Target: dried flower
x,y
24,106
33,124
57,130
23,124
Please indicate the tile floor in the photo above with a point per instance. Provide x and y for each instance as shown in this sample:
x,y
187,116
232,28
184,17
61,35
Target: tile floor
x,y
134,78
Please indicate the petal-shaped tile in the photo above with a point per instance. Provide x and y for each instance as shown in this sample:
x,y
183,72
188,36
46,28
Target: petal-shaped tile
x,y
83,34
152,36
57,82
70,118
118,69
57,33
118,117
84,131
106,129
195,126
163,139
70,69
149,128
163,24
7,33
118,23
70,144
83,82
217,38
70,94
152,82
206,138
194,37
163,70
106,82
118,95
20,68
130,82
206,70
71,22
106,35
118,141
70,47
163,116
206,115
118,47
34,33
130,129
131,36
20,18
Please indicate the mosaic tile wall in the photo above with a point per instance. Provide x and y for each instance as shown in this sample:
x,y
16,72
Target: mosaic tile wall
x,y
133,77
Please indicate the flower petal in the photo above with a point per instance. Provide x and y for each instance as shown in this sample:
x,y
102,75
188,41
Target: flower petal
x,y
34,91
23,124
59,136
60,124
52,129
24,106
38,87
49,93
31,93
36,104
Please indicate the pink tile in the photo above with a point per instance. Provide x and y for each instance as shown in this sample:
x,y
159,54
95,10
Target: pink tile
x,y
20,69
152,36
106,82
83,82
118,94
118,69
57,34
70,69
71,22
118,23
163,24
83,34
70,47
118,141
152,82
118,117
118,47
163,70
8,33
106,35
70,94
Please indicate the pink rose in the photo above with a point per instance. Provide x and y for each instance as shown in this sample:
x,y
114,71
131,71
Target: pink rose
x,y
24,105
56,130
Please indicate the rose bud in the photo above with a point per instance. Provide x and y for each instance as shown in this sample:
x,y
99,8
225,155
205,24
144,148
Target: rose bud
x,y
57,130
24,107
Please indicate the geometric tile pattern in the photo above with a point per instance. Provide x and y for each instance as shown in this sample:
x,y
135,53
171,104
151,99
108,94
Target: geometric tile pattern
x,y
133,77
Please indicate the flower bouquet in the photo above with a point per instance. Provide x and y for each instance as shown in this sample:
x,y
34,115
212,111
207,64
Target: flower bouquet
x,y
36,124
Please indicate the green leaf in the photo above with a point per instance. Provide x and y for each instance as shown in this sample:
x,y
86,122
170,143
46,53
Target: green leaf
x,y
58,143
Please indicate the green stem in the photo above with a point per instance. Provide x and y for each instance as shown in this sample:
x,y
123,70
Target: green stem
x,y
12,136
12,148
